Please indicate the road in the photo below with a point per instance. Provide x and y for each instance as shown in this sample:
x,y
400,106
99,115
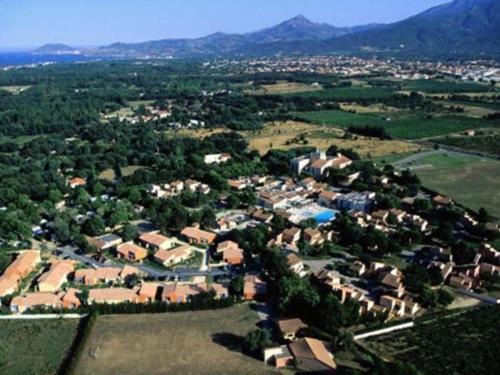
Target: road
x,y
41,316
69,252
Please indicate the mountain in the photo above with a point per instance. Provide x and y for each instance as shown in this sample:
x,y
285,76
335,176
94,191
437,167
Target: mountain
x,y
462,26
300,28
296,29
55,49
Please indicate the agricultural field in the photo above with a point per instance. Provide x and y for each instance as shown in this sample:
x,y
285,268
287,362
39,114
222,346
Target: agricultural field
x,y
284,87
461,343
34,347
399,125
470,180
177,343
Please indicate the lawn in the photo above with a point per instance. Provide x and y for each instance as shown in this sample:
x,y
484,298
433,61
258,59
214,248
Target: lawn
x,y
400,125
470,180
21,140
34,347
202,342
462,343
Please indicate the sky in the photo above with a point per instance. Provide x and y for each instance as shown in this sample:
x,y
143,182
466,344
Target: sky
x,y
32,23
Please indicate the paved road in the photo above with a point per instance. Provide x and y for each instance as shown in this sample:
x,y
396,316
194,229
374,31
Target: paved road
x,y
416,157
152,272
41,316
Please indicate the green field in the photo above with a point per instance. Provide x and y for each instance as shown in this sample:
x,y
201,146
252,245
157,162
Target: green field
x,y
463,344
470,180
348,93
35,347
401,125
436,86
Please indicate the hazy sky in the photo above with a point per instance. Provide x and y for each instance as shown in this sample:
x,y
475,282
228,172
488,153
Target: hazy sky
x,y
28,23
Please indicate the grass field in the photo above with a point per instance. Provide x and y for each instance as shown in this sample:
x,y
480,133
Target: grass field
x,y
35,347
463,344
470,180
110,175
201,342
401,125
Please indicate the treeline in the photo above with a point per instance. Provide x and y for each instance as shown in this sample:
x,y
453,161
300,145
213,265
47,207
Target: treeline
x,y
370,131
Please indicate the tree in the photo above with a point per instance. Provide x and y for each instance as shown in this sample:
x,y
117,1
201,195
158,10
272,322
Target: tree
x,y
129,232
428,298
62,230
94,226
236,286
255,341
444,297
483,215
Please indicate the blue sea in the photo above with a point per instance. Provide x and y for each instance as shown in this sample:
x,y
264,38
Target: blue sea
x,y
26,58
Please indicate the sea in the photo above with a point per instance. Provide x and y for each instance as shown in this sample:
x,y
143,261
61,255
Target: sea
x,y
26,58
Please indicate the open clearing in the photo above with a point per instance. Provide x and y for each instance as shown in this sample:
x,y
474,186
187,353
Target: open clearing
x,y
172,343
15,89
470,180
110,175
463,344
34,347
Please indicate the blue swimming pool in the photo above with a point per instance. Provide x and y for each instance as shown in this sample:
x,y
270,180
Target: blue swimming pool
x,y
325,216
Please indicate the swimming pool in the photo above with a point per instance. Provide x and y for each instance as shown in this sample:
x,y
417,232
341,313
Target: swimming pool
x,y
325,216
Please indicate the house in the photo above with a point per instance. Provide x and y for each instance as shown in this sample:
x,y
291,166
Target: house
x,y
20,304
155,241
55,277
226,245
363,202
328,198
461,281
129,271
395,306
441,200
173,256
489,269
393,284
295,263
262,216
112,296
381,215
327,277
312,356
411,307
253,288
279,356
216,158
69,299
24,264
299,164
181,292
290,327
148,291
76,182
105,242
358,268
347,293
233,256
319,167
197,236
91,277
8,285
131,252
291,235
341,162
313,237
